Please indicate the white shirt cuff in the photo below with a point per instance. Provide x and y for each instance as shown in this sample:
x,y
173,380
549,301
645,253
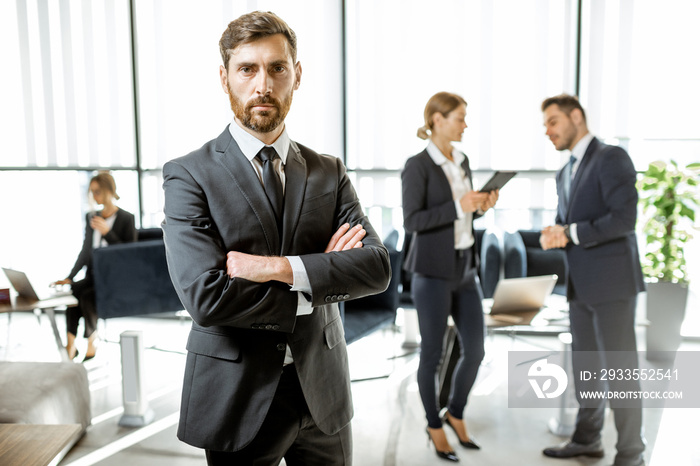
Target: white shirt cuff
x,y
458,207
301,278
573,232
301,285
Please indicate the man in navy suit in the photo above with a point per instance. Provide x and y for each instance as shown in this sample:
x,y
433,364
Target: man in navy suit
x,y
260,249
595,224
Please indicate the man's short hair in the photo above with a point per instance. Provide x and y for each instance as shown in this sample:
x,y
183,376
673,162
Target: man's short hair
x,y
565,102
254,26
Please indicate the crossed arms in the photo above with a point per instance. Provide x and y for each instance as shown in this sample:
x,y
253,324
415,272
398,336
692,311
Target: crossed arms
x,y
262,269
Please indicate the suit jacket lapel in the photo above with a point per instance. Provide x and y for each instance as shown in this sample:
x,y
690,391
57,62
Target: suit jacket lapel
x,y
439,172
246,180
592,147
295,187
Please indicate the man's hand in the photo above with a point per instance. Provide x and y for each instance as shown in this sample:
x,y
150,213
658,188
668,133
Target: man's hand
x,y
346,238
553,237
473,200
490,200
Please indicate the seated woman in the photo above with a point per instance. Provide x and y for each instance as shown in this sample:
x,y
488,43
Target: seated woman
x,y
111,225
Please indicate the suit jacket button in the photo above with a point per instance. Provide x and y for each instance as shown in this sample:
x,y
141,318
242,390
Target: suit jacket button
x,y
334,297
275,327
255,326
328,299
346,296
281,347
268,327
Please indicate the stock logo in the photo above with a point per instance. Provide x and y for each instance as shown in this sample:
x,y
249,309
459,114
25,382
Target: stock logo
x,y
547,372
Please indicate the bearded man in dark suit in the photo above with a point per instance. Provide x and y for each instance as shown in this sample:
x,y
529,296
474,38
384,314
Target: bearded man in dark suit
x,y
595,223
264,237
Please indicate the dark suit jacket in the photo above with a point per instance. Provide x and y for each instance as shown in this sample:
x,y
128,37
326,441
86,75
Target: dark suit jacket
x,y
429,214
215,203
123,231
603,203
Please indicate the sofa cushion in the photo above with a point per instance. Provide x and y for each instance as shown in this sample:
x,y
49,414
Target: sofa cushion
x,y
150,233
540,262
490,265
133,279
514,256
44,393
531,238
364,315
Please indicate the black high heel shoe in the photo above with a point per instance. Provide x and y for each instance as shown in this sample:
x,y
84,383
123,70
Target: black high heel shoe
x,y
469,443
445,455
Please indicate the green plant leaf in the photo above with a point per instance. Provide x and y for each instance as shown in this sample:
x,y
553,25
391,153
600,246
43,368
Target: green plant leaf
x,y
668,199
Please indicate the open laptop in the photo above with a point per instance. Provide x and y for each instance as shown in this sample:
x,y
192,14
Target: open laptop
x,y
20,282
518,300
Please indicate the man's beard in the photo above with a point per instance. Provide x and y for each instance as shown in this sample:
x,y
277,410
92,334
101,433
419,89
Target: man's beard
x,y
260,122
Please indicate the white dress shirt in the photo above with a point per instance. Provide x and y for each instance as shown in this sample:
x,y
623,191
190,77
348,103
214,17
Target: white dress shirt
x,y
97,240
250,146
460,185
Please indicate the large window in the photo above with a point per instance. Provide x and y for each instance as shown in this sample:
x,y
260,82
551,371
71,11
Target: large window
x,y
76,96
69,106
639,77
181,101
503,57
66,88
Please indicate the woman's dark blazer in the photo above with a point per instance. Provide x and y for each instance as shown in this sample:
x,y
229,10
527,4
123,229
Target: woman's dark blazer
x,y
123,231
429,214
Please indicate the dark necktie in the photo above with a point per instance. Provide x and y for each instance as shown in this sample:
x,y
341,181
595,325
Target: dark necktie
x,y
566,179
568,176
272,182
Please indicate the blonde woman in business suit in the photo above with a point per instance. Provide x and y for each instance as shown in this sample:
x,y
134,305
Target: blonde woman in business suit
x,y
439,205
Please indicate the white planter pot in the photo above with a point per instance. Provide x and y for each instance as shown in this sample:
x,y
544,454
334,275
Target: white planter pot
x,y
666,304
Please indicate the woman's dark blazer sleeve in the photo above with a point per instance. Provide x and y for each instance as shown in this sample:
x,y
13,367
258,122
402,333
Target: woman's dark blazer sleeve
x,y
123,231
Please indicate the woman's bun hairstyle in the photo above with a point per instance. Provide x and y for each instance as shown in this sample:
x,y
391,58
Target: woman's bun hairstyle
x,y
423,132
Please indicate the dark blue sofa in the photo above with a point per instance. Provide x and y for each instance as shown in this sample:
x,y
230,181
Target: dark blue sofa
x,y
490,254
524,257
133,280
365,315
511,255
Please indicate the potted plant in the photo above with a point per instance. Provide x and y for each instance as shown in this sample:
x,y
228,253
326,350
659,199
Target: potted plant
x,y
669,199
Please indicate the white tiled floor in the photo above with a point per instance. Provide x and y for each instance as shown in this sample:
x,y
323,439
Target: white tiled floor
x,y
389,425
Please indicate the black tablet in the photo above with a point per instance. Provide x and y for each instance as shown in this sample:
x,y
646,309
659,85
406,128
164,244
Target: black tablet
x,y
498,180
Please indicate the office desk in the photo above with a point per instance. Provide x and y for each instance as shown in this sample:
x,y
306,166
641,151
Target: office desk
x,y
552,319
48,306
36,445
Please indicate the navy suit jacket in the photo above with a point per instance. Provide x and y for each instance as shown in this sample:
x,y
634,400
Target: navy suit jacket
x,y
603,198
215,203
429,214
